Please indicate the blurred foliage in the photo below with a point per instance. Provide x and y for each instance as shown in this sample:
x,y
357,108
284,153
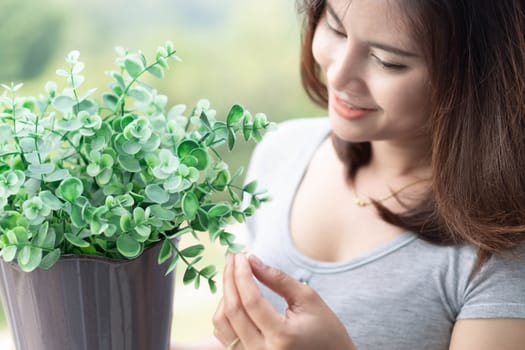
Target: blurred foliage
x,y
233,51
30,33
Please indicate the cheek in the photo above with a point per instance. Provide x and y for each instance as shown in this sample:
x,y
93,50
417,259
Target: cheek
x,y
408,96
320,47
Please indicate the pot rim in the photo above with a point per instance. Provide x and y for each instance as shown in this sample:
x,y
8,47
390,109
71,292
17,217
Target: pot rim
x,y
67,258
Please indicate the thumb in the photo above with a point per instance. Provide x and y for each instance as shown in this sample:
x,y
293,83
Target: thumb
x,y
293,291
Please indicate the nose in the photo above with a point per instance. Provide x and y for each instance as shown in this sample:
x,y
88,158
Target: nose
x,y
346,70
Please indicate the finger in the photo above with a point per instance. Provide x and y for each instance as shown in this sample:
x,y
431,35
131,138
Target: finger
x,y
263,314
294,292
223,330
241,323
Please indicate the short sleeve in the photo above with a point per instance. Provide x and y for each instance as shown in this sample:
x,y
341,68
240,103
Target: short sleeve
x,y
498,290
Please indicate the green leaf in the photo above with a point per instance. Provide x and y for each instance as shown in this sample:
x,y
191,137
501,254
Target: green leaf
x,y
173,264
213,285
50,259
110,101
89,106
222,180
257,136
24,255
189,275
119,79
76,241
247,126
70,189
209,271
49,241
156,194
190,161
161,213
140,94
165,252
50,200
227,237
156,71
30,259
125,222
190,205
77,218
9,253
219,210
197,281
143,231
260,121
64,103
235,115
249,210
133,66
131,147
97,226
231,139
239,216
128,246
234,196
11,236
58,175
192,251
185,148
250,187
143,58
41,235
129,163
180,232
21,233
235,248
104,177
204,119
139,215
11,219
41,169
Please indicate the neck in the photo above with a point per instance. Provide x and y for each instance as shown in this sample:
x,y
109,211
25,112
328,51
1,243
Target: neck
x,y
391,160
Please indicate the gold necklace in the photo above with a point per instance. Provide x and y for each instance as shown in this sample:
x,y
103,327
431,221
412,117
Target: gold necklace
x,y
364,203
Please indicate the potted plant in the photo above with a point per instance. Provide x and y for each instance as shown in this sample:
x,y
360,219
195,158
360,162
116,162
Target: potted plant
x,y
95,193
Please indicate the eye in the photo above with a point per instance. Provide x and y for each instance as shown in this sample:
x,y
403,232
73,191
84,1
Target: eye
x,y
334,30
388,65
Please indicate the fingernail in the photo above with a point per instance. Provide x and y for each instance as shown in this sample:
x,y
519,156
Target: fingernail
x,y
257,262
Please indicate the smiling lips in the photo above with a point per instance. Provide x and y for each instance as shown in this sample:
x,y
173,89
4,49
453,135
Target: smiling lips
x,y
347,111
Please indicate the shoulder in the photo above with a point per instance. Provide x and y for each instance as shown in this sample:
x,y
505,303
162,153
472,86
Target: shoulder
x,y
496,291
294,130
289,137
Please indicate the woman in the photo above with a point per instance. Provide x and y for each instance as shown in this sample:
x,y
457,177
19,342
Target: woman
x,y
397,222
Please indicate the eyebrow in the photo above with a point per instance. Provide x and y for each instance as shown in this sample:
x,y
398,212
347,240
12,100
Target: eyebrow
x,y
374,44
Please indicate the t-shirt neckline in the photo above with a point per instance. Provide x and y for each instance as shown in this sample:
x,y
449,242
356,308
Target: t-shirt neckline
x,y
326,266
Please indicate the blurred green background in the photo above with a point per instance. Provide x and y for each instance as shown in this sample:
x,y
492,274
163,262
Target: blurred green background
x,y
233,51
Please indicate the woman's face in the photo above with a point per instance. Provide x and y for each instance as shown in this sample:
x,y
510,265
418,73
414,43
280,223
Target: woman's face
x,y
376,77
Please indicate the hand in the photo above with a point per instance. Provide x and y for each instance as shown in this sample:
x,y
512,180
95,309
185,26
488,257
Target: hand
x,y
243,312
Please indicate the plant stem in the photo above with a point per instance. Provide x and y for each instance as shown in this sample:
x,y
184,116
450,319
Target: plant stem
x,y
120,103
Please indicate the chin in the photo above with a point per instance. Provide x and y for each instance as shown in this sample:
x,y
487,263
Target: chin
x,y
344,132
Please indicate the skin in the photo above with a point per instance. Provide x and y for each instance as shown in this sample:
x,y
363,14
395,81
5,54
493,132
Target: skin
x,y
307,324
357,46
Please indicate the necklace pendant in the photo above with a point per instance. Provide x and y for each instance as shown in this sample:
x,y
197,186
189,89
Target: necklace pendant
x,y
360,202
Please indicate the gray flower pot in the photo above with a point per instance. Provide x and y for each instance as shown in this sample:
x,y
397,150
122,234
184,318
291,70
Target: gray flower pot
x,y
90,303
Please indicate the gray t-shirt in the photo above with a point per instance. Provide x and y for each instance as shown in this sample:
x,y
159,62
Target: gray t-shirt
x,y
406,294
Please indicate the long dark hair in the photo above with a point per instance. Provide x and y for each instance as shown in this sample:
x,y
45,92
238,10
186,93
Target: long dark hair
x,y
475,52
